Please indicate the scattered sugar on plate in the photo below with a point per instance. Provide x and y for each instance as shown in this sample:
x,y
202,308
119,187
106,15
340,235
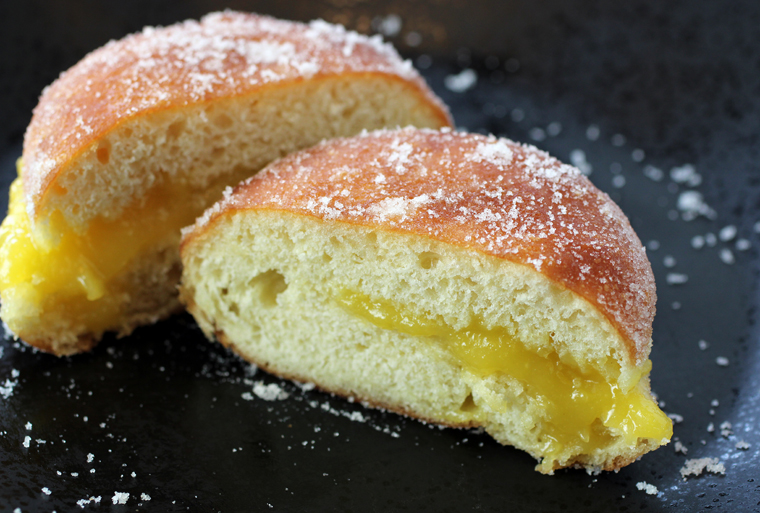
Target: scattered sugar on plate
x,y
692,204
696,466
305,387
46,490
697,242
638,155
680,448
742,445
743,245
84,502
676,278
686,175
727,233
145,496
703,345
120,497
578,159
6,389
462,81
722,361
727,256
648,488
654,173
270,392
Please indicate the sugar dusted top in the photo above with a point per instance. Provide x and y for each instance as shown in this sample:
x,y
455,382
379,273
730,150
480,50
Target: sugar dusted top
x,y
224,55
491,195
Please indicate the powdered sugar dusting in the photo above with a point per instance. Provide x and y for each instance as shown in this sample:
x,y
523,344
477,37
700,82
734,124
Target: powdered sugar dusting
x,y
497,152
396,209
223,55
491,195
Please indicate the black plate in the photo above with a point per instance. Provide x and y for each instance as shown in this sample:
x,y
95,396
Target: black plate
x,y
631,92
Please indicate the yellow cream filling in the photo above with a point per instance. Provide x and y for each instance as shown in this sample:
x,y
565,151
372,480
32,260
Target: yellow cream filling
x,y
576,404
75,274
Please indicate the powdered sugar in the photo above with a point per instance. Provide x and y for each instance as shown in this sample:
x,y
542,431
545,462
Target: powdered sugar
x,y
461,82
648,488
120,497
223,55
489,194
697,466
396,209
6,389
497,152
270,392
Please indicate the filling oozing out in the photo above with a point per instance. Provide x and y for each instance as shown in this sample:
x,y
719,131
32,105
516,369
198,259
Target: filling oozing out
x,y
578,406
76,272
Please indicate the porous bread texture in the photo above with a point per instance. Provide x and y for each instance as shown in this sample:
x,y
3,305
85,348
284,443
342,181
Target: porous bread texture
x,y
484,193
267,283
192,107
204,148
227,140
224,56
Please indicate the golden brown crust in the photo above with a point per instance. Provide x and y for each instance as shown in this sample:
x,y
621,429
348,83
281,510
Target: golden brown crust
x,y
225,55
491,195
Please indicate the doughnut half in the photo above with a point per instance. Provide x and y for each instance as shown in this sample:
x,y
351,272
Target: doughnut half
x,y
143,134
457,278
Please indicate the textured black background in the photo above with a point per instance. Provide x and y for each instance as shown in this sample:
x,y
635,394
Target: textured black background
x,y
678,80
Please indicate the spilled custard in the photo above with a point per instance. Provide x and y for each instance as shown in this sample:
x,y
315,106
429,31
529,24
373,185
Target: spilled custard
x,y
75,274
578,405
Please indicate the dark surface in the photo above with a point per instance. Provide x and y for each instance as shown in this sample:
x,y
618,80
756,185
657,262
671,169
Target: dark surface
x,y
678,80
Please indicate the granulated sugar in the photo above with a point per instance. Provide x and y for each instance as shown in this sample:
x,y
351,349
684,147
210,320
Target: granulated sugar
x,y
648,488
697,466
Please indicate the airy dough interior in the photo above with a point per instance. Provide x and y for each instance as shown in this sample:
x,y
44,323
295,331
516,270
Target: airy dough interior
x,y
103,255
426,329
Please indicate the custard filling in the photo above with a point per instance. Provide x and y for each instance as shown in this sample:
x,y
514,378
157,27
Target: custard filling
x,y
74,273
583,411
